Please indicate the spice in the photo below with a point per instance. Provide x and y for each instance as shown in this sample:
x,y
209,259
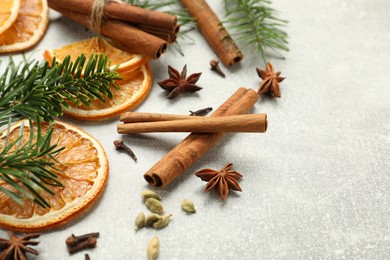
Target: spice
x,y
162,222
153,249
146,194
119,145
215,67
223,180
178,82
78,243
89,243
195,145
270,82
249,123
201,112
17,247
213,31
73,240
138,30
140,221
154,205
151,219
188,206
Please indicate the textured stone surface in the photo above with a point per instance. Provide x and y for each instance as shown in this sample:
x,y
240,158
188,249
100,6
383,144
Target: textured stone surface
x,y
315,186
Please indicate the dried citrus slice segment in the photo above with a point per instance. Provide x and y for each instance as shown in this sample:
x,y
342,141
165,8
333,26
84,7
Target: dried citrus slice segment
x,y
125,61
134,87
84,172
28,28
8,13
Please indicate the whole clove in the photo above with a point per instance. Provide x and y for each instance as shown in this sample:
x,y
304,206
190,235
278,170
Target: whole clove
x,y
201,112
89,243
119,145
215,67
72,240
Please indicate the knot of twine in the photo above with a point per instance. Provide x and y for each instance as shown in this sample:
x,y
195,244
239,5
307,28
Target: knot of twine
x,y
97,13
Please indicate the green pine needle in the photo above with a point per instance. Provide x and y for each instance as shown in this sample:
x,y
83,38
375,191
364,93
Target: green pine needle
x,y
28,167
36,90
40,92
253,23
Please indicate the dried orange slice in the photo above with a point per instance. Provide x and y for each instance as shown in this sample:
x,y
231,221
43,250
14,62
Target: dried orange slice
x,y
84,172
134,87
125,61
8,13
28,28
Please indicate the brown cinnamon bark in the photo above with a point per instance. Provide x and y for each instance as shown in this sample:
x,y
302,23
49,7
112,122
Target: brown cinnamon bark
x,y
212,30
130,38
250,123
195,145
120,11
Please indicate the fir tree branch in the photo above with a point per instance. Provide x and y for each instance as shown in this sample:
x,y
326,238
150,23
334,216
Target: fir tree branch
x,y
39,92
253,22
28,167
36,90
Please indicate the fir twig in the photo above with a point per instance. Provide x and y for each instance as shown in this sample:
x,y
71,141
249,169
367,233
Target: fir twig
x,y
253,22
39,92
28,167
36,90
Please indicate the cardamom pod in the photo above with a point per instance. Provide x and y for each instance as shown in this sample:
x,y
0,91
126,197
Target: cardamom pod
x,y
153,249
188,206
150,194
163,222
151,218
140,221
154,205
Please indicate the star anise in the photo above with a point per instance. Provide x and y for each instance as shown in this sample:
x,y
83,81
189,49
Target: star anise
x,y
270,81
178,82
16,247
222,180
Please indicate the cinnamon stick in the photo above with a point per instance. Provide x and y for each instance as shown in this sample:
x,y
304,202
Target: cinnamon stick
x,y
252,123
130,38
120,11
196,145
213,31
136,117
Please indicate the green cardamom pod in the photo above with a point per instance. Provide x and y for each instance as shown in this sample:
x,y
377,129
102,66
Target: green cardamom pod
x,y
163,222
140,221
154,205
151,218
150,194
188,206
153,249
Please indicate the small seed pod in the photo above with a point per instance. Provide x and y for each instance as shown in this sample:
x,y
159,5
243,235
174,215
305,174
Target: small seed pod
x,y
140,221
146,194
154,205
153,249
163,222
151,219
188,206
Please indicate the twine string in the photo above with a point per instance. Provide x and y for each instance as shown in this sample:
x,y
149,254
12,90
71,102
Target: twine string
x,y
97,13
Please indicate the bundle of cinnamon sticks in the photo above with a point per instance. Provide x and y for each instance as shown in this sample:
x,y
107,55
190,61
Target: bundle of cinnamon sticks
x,y
134,29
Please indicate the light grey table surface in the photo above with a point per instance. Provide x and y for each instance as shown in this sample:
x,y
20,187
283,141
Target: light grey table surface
x,y
315,186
